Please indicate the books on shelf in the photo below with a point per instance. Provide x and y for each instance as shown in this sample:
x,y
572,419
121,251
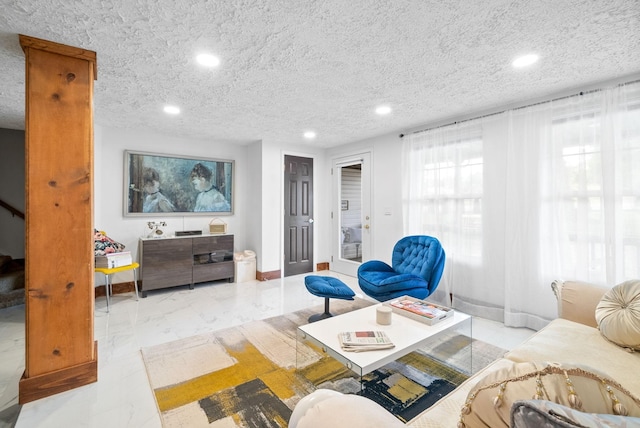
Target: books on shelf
x,y
420,310
114,260
359,341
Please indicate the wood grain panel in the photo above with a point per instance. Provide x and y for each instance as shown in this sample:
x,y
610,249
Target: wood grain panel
x,y
59,218
36,387
166,263
186,260
206,244
211,271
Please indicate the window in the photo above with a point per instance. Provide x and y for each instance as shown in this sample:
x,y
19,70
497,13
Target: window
x,y
452,194
599,189
527,196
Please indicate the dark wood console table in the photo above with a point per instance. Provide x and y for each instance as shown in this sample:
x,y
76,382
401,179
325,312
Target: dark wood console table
x,y
185,260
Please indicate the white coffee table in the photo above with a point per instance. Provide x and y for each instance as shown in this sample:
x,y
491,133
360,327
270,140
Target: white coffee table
x,y
408,335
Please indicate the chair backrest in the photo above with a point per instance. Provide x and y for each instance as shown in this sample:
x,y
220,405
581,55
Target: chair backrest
x,y
419,255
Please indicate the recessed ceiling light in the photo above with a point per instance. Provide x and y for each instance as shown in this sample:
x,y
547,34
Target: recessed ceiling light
x,y
171,110
382,110
309,135
525,60
208,60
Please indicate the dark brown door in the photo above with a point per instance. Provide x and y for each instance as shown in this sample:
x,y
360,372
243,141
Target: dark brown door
x,y
298,217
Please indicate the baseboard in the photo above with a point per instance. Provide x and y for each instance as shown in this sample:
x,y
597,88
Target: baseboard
x,y
119,288
45,385
264,276
322,266
129,287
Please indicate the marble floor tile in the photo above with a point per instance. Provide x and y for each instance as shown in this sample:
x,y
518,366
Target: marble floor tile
x,y
122,396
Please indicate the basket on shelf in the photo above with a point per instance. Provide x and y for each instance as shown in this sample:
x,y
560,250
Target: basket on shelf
x,y
217,226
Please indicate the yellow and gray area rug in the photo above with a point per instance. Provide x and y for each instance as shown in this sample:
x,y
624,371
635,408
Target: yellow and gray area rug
x,y
253,375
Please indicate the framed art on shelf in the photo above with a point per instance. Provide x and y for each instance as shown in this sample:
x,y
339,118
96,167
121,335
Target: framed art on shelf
x,y
159,184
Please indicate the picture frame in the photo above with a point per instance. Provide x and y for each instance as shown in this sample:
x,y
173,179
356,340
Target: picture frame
x,y
172,185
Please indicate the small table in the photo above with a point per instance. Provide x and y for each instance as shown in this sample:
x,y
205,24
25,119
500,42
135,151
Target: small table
x,y
107,272
407,334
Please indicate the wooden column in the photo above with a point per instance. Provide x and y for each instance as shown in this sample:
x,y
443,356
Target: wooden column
x,y
61,353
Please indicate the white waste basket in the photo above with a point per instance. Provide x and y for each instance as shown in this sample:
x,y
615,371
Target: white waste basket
x,y
245,266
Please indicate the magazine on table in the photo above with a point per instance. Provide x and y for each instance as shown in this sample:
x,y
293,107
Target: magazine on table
x,y
420,310
358,341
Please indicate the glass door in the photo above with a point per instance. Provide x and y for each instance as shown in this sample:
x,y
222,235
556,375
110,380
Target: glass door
x,y
351,214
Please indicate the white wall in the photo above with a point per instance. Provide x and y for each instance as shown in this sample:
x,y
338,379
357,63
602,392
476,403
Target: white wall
x,y
253,227
258,211
386,199
110,145
12,179
271,214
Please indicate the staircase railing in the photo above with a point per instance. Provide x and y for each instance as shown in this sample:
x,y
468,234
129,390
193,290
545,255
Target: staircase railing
x,y
14,211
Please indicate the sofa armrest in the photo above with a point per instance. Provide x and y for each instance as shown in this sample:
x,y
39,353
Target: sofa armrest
x,y
577,300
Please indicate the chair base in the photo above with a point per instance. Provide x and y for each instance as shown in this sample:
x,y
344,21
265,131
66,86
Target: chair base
x,y
326,314
108,284
319,317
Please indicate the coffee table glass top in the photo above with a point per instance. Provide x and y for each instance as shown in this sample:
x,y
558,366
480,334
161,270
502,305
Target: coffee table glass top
x,y
406,333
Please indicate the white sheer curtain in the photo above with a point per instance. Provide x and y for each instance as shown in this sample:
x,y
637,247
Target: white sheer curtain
x,y
520,198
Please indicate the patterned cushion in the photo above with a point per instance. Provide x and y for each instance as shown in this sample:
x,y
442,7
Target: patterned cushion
x,y
489,403
105,245
545,414
618,315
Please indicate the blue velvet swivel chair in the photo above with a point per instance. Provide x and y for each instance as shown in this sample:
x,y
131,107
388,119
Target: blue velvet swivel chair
x,y
417,265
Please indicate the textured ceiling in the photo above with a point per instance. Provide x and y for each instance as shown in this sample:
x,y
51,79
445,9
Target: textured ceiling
x,y
290,66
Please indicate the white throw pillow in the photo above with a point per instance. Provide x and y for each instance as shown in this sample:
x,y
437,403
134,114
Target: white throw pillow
x,y
618,315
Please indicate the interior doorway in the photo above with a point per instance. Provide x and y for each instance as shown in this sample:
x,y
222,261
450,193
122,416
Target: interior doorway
x,y
298,215
351,213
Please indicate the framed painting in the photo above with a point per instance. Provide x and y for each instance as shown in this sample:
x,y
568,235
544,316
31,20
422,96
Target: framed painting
x,y
166,185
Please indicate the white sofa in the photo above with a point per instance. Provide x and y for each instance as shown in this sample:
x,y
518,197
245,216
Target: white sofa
x,y
572,338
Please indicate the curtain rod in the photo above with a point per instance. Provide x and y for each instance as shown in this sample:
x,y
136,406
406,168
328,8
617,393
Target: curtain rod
x,y
517,108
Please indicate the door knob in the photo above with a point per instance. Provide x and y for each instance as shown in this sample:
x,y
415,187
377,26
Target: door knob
x,y
310,220
366,226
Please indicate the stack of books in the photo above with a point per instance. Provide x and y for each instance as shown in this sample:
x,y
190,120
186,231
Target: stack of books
x,y
358,341
114,260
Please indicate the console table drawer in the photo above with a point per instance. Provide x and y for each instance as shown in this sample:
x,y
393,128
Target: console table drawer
x,y
165,263
187,260
207,244
205,272
163,278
